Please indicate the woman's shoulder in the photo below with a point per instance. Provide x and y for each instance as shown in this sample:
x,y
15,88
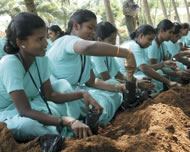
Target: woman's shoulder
x,y
42,59
66,38
131,44
10,63
63,43
9,59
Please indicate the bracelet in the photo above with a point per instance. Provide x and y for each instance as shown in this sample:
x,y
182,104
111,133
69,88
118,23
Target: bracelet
x,y
115,87
118,49
60,124
72,122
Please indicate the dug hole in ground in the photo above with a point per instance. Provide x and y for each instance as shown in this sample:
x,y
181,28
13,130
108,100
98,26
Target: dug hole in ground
x,y
158,125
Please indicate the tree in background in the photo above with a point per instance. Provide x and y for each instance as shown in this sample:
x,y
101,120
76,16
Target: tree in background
x,y
163,9
176,12
147,12
30,6
59,11
15,6
187,8
109,14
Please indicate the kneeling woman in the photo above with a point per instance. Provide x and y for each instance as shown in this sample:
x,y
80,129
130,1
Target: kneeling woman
x,y
142,39
25,87
71,58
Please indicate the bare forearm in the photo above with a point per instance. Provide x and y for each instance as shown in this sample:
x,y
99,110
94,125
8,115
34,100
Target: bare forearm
x,y
185,61
157,66
46,119
184,53
170,73
99,49
23,107
153,74
103,85
65,97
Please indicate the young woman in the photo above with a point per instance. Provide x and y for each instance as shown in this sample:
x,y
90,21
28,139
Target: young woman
x,y
55,32
141,39
71,57
2,43
174,49
184,33
107,67
158,51
187,39
26,90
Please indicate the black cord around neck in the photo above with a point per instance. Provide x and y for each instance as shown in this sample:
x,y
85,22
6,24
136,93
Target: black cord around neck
x,y
40,90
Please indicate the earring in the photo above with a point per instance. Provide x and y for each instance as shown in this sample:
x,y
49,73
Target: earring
x,y
23,46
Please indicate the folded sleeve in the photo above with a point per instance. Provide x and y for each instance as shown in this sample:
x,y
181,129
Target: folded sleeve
x,y
12,74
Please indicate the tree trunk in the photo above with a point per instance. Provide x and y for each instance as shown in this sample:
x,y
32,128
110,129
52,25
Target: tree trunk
x,y
147,12
155,15
170,9
163,9
30,6
186,5
109,14
176,13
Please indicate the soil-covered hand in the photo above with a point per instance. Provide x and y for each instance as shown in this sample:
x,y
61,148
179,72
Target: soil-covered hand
x,y
121,88
170,64
183,74
145,85
81,130
130,65
89,100
174,84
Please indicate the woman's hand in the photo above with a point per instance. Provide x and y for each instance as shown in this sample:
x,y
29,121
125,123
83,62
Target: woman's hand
x,y
81,130
183,74
130,65
174,84
88,99
120,88
145,85
170,64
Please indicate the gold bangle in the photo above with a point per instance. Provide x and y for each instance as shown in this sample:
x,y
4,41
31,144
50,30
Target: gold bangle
x,y
118,49
115,88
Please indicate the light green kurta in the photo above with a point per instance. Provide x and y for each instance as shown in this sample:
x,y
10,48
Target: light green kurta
x,y
159,53
2,43
182,40
155,52
105,64
49,44
14,77
141,57
187,39
68,64
173,49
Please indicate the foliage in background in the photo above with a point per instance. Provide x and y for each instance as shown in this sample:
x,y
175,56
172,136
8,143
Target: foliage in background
x,y
59,11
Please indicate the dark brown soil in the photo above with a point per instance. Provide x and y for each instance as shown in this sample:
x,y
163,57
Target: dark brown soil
x,y
158,125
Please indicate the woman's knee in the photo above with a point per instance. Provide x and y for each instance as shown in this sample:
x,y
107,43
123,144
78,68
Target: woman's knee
x,y
62,85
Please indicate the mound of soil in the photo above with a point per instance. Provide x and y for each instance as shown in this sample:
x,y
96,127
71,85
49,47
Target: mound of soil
x,y
158,125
